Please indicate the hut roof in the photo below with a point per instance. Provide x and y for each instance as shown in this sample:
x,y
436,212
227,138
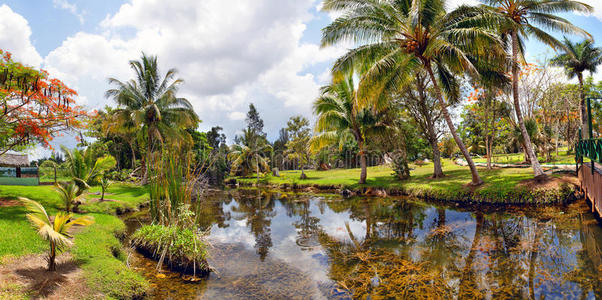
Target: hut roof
x,y
14,160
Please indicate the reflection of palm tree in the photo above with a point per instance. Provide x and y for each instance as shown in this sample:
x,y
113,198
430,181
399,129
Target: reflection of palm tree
x,y
468,284
308,226
258,211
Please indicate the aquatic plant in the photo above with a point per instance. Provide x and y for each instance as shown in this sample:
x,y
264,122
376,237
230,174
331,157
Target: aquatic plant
x,y
181,249
53,230
175,183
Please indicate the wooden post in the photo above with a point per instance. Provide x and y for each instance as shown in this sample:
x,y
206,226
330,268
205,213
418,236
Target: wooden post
x,y
18,172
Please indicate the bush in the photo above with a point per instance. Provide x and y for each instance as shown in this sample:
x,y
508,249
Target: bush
x,y
400,167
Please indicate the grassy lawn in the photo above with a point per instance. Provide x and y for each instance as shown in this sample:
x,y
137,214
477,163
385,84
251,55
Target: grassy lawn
x,y
97,247
515,158
501,185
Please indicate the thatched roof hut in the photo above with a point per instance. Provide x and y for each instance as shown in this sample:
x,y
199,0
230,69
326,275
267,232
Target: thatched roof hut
x,y
14,160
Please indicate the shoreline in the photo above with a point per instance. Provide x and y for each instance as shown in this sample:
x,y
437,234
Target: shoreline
x,y
561,191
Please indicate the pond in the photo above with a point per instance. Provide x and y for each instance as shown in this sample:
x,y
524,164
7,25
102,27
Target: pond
x,y
270,245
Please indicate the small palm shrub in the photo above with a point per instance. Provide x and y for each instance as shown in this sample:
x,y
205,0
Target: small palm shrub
x,y
104,185
400,167
53,230
69,192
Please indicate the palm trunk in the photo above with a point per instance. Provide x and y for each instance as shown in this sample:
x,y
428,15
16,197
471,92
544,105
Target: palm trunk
x,y
476,179
363,164
537,170
55,175
437,169
133,155
147,162
582,112
52,258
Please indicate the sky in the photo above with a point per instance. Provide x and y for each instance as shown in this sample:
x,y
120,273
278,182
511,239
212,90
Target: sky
x,y
229,52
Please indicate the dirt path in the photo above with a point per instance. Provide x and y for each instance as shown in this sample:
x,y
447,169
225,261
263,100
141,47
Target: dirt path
x,y
27,276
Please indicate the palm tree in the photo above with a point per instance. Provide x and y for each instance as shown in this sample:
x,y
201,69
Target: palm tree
x,y
398,38
576,59
250,155
149,102
519,19
340,117
85,168
69,193
55,231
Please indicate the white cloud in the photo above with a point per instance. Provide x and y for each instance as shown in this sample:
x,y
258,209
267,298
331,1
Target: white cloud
x,y
15,35
70,7
597,5
229,52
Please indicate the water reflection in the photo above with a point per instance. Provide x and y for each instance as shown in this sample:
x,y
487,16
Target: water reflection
x,y
302,246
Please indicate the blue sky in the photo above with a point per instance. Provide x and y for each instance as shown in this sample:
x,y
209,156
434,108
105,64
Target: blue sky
x,y
229,52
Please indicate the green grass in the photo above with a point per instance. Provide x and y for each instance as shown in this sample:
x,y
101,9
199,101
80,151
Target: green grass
x,y
501,185
514,158
97,247
101,257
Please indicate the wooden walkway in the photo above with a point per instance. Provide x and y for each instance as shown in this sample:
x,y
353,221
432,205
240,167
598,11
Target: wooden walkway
x,y
591,185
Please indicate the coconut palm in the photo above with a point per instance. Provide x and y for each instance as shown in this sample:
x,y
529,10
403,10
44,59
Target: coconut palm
x,y
85,168
250,155
398,38
576,59
519,19
339,117
149,102
53,230
69,193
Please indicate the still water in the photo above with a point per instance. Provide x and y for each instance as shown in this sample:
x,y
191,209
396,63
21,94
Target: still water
x,y
270,245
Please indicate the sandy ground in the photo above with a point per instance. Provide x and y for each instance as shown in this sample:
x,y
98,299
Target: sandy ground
x,y
28,276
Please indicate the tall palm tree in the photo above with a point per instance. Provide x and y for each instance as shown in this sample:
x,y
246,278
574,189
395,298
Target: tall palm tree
x,y
519,19
400,37
339,116
576,59
150,103
55,231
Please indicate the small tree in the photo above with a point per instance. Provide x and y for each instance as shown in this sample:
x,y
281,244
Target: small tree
x,y
56,232
104,184
298,145
70,194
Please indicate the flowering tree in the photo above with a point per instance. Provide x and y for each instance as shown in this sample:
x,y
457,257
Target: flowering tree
x,y
34,108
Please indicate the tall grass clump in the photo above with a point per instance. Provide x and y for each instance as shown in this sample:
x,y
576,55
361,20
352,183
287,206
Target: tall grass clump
x,y
173,237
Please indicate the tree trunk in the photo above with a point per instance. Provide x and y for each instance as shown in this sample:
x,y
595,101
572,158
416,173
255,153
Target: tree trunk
x,y
133,155
582,112
52,258
476,179
55,175
438,170
147,162
488,149
363,165
537,170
